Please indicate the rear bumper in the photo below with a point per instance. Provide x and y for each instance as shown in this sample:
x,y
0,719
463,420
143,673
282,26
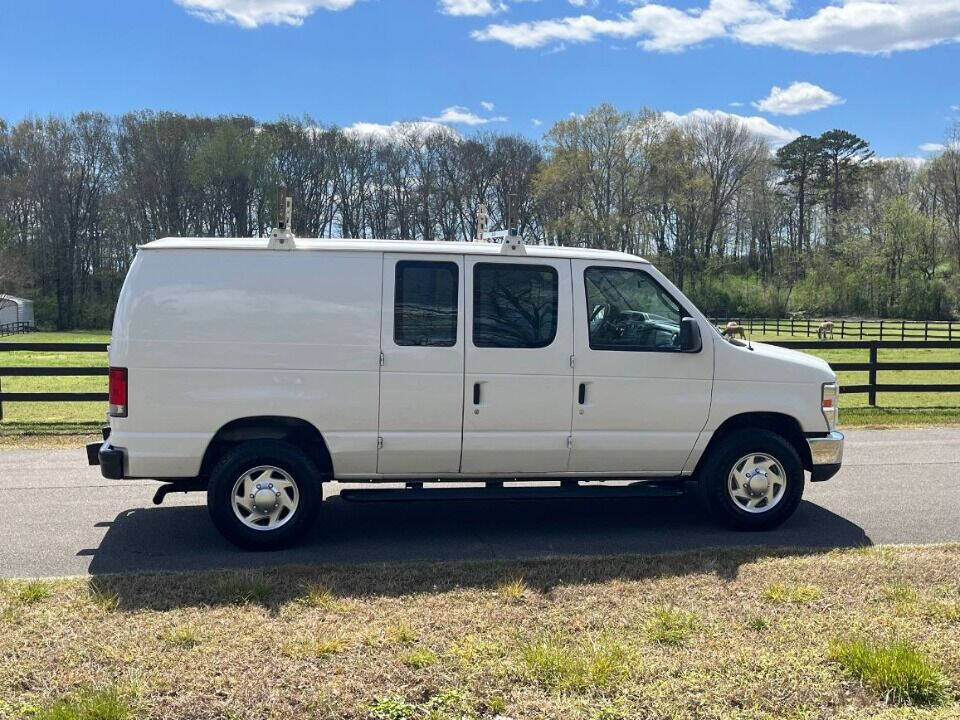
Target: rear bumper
x,y
826,454
110,459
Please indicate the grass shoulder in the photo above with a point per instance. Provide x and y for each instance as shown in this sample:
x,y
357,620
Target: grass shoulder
x,y
855,634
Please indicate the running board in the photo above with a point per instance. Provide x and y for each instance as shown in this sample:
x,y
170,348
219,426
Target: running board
x,y
496,491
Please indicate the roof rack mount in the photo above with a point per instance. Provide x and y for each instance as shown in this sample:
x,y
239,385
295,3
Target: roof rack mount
x,y
282,237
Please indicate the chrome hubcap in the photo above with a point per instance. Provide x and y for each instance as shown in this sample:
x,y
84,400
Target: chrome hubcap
x,y
265,498
757,482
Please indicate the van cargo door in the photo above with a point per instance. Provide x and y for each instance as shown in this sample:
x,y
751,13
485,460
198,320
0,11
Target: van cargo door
x,y
518,380
421,376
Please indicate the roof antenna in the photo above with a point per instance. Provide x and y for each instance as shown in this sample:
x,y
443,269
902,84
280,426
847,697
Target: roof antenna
x,y
512,215
282,236
512,242
483,223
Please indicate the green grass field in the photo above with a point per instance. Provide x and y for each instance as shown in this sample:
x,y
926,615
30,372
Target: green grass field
x,y
891,408
25,420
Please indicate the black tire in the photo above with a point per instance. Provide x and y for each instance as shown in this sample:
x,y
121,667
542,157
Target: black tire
x,y
246,457
715,472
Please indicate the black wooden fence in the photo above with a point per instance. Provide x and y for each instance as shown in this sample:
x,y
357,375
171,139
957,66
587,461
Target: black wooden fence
x,y
871,366
854,329
50,372
16,328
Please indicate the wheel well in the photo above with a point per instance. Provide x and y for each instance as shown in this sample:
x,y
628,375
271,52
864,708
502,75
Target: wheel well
x,y
784,425
292,430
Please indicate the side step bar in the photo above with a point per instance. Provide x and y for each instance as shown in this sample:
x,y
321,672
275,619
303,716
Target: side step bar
x,y
496,491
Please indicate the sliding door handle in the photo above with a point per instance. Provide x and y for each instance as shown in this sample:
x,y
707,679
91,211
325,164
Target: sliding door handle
x,y
476,393
582,393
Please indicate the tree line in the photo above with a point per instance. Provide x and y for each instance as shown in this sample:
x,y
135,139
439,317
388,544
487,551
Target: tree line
x,y
819,224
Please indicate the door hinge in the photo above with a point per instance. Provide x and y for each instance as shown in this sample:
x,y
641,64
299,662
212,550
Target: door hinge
x,y
381,358
572,360
379,443
569,441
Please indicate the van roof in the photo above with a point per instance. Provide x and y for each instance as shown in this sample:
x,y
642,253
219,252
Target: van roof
x,y
397,246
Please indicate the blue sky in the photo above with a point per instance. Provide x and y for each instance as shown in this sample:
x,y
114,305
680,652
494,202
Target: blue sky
x,y
885,69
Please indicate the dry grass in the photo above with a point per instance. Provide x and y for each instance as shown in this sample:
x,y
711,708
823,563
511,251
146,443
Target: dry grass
x,y
43,436
737,635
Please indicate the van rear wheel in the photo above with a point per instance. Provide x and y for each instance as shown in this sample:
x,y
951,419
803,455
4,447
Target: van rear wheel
x,y
752,480
263,495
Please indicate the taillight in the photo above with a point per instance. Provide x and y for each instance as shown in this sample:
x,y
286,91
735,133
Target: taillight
x,y
118,392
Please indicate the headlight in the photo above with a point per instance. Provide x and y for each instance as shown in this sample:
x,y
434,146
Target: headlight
x,y
828,403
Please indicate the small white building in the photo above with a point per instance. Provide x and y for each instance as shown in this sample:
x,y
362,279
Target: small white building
x,y
15,310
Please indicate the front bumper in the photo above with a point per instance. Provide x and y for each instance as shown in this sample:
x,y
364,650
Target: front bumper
x,y
826,454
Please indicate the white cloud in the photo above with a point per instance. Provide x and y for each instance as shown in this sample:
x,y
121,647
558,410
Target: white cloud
x,y
584,3
459,115
862,26
798,98
471,7
662,27
932,147
859,26
392,132
536,122
736,103
254,13
487,105
395,131
912,160
775,134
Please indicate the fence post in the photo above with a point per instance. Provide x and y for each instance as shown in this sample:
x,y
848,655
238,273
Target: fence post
x,y
872,394
926,329
950,330
1,398
902,325
881,329
861,328
808,327
778,324
791,325
843,327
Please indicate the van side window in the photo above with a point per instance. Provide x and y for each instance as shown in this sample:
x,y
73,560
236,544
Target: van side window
x,y
425,303
628,310
514,305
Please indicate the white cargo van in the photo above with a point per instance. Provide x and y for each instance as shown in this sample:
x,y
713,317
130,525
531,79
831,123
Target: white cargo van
x,y
258,370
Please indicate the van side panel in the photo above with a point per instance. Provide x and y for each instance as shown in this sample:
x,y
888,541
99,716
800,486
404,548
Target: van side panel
x,y
214,336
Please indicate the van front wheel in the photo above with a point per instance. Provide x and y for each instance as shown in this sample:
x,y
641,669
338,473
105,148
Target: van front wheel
x,y
264,494
752,480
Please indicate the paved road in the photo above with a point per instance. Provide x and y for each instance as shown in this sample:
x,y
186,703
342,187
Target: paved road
x,y
59,517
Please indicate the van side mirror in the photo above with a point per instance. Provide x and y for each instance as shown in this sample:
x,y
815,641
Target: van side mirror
x,y
690,340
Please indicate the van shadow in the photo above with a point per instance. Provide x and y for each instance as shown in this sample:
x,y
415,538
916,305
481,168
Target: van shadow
x,y
396,548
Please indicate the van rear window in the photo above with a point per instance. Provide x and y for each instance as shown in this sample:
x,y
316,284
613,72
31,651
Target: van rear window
x,y
425,303
514,305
